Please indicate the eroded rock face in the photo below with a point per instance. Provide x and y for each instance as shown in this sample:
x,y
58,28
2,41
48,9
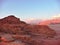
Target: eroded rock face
x,y
11,24
13,31
40,30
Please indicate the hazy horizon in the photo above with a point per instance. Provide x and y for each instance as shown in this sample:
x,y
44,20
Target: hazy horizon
x,y
25,9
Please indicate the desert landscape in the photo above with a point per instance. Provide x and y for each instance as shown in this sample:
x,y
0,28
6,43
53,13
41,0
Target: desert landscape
x,y
29,22
13,31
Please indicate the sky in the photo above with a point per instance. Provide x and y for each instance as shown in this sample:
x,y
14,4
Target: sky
x,y
25,9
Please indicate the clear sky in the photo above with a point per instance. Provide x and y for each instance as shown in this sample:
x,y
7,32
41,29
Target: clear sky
x,y
30,8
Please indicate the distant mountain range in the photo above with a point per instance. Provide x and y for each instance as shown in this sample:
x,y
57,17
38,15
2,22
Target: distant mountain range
x,y
44,22
50,21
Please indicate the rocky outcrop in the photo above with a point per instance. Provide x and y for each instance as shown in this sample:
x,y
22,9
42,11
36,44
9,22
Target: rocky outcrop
x,y
11,24
40,30
13,31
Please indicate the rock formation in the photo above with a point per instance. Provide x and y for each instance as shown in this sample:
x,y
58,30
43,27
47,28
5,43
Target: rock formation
x,y
13,31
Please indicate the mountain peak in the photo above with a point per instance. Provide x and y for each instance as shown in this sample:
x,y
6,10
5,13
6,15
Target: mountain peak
x,y
11,16
10,19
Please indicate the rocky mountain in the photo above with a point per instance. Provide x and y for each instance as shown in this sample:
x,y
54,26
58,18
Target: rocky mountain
x,y
13,31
